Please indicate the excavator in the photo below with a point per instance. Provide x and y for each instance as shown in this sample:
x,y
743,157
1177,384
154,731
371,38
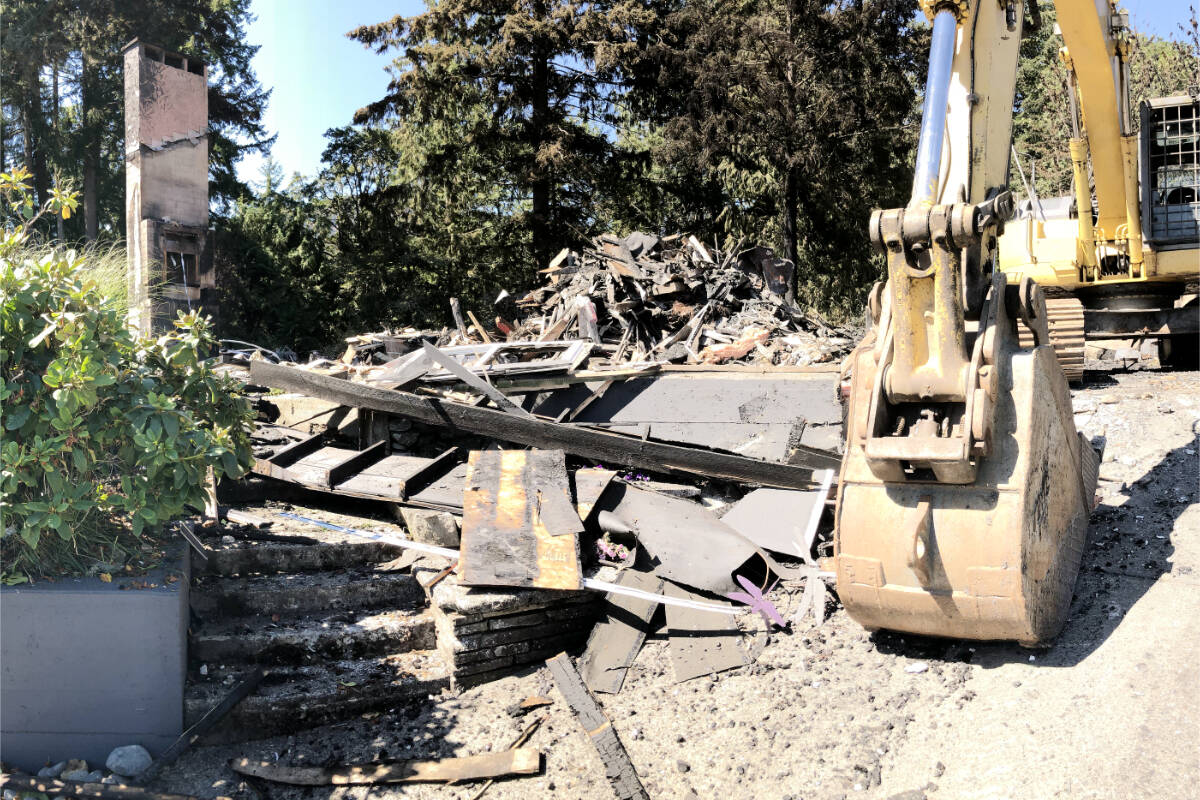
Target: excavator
x,y
1124,266
965,489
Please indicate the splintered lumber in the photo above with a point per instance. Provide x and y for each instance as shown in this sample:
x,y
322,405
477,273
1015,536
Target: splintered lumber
x,y
517,761
520,740
604,446
239,517
617,767
519,527
102,791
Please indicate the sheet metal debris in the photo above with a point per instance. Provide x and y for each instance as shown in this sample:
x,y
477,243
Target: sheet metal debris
x,y
618,636
702,643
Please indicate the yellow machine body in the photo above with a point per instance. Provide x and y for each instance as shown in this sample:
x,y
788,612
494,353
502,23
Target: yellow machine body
x,y
965,489
1124,257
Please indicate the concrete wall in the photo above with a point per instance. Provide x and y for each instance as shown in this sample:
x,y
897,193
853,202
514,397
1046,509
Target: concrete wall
x,y
86,666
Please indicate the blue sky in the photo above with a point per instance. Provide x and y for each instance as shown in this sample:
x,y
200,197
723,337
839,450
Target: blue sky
x,y
319,78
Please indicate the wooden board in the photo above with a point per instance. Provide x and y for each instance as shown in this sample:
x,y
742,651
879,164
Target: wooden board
x,y
587,442
519,527
518,761
386,479
618,767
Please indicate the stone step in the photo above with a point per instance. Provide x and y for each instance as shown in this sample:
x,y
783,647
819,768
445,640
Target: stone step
x,y
246,558
216,597
312,639
298,697
289,545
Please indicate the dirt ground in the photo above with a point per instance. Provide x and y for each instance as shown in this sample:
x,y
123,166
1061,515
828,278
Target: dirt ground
x,y
1111,711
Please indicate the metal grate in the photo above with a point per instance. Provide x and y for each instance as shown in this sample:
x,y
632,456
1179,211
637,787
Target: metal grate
x,y
1171,170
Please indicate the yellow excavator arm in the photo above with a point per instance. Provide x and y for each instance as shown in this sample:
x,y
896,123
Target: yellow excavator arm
x,y
965,489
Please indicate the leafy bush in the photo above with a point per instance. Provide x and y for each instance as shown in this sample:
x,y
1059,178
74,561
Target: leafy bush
x,y
104,432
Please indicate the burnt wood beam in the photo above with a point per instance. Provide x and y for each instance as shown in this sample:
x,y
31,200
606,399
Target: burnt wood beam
x,y
579,440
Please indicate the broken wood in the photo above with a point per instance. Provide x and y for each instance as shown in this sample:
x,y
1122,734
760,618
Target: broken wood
x,y
519,527
456,312
520,740
370,474
474,381
617,766
579,440
239,517
353,464
102,791
517,761
479,328
203,725
593,584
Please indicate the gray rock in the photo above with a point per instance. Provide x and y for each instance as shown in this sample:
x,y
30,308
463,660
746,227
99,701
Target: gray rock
x,y
52,772
75,775
431,527
130,760
95,776
111,780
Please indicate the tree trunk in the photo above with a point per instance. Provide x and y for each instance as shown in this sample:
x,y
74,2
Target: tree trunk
x,y
791,206
35,140
540,187
58,219
91,152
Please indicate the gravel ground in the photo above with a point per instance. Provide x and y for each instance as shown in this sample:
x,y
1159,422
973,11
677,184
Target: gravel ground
x,y
831,712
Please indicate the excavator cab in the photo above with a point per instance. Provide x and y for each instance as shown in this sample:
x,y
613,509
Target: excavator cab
x,y
965,489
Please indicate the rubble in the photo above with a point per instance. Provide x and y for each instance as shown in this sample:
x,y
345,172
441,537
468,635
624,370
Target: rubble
x,y
674,299
560,476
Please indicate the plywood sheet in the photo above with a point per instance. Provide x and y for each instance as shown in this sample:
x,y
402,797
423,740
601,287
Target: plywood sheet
x,y
519,526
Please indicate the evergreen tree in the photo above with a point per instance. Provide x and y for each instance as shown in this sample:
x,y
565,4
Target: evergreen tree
x,y
72,125
798,110
501,86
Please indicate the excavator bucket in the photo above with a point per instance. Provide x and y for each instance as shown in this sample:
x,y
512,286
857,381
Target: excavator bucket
x,y
995,558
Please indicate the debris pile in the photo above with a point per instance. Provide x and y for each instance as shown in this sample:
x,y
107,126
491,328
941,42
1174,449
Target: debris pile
x,y
673,299
643,446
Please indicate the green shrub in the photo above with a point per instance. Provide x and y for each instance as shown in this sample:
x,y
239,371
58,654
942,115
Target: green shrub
x,y
104,433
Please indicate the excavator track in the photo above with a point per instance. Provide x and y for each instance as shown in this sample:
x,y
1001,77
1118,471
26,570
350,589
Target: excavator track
x,y
1065,316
